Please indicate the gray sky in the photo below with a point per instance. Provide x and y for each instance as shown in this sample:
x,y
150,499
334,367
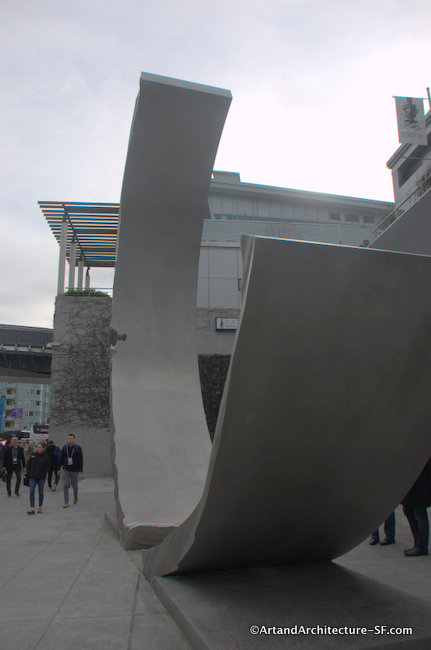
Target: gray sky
x,y
312,84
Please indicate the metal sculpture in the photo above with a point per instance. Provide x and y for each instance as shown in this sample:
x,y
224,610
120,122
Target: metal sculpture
x,y
325,418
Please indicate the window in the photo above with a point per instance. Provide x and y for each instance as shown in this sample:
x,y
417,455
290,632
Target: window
x,y
368,218
352,218
335,216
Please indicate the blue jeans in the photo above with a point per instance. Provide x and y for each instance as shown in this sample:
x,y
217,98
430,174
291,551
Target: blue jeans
x,y
389,528
40,482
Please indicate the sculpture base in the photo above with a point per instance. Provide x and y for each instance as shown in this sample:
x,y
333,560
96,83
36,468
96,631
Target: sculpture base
x,y
217,610
139,536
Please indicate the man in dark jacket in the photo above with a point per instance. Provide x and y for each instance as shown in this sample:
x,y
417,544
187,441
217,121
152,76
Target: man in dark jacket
x,y
53,453
14,462
71,464
415,505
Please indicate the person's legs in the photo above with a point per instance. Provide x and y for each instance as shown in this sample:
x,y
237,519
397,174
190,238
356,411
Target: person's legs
x,y
421,516
18,481
50,472
32,486
66,481
40,486
390,527
74,481
9,481
409,513
375,537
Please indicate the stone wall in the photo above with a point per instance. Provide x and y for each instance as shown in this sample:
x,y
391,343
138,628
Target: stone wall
x,y
213,371
81,369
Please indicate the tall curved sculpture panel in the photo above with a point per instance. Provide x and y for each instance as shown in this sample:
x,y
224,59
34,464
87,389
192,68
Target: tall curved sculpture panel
x,y
161,442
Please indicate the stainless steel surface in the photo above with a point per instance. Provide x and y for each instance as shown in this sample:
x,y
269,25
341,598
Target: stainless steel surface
x,y
326,416
161,441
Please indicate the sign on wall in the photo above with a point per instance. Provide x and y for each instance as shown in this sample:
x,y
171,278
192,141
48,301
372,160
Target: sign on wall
x,y
411,120
16,413
227,323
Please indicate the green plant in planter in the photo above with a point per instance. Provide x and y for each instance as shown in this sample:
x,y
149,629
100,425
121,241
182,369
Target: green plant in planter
x,y
94,293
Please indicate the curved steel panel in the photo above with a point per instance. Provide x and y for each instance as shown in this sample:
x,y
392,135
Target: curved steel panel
x,y
326,414
161,442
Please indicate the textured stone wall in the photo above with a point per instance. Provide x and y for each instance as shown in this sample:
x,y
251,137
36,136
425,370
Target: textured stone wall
x,y
81,369
213,371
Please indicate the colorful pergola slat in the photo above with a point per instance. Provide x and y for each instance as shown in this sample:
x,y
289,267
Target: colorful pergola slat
x,y
93,227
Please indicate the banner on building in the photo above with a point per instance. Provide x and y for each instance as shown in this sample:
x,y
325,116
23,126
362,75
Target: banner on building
x,y
411,120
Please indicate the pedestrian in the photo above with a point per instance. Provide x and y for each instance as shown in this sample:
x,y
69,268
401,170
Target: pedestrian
x,y
54,458
71,464
389,528
2,467
14,462
415,505
37,469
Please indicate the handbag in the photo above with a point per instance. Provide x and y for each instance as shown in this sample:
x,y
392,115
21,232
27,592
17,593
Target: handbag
x,y
26,480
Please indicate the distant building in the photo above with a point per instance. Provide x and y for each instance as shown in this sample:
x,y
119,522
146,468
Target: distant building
x,y
26,404
25,360
238,208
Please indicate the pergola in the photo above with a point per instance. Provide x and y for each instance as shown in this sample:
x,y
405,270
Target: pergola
x,y
87,235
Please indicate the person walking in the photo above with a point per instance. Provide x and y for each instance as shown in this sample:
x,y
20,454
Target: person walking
x,y
2,467
71,464
389,528
37,469
415,505
14,462
54,458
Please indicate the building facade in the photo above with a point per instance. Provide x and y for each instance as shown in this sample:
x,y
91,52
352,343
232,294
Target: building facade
x,y
411,170
26,404
25,364
238,208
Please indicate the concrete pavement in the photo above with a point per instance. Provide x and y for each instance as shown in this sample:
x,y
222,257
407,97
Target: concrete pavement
x,y
66,582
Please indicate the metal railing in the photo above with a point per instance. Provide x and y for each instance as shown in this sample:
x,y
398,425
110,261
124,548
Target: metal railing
x,y
407,203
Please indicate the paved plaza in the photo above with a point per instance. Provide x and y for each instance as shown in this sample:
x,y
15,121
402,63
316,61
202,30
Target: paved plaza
x,y
66,582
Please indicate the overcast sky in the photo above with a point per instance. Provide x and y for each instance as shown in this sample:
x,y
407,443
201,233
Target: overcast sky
x,y
312,84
